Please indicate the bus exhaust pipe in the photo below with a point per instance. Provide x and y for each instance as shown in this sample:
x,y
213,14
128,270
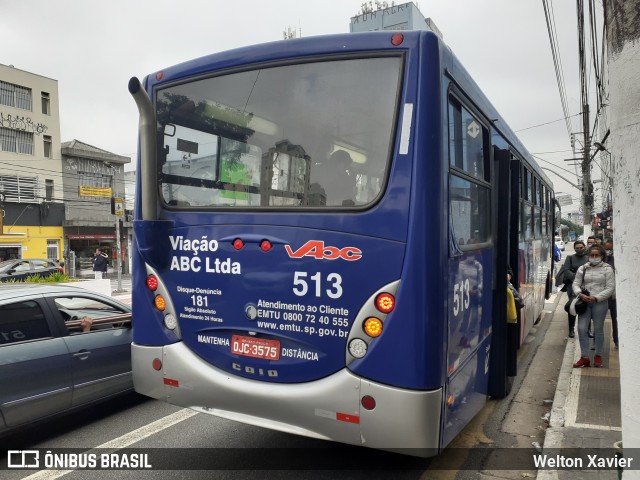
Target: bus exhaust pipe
x,y
148,158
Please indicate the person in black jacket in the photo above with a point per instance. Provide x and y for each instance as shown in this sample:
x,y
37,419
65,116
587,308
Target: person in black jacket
x,y
566,275
99,262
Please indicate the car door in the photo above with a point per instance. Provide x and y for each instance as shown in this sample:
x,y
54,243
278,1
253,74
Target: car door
x,y
19,271
44,268
35,373
101,357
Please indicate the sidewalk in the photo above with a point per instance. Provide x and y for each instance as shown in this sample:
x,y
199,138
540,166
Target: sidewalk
x,y
586,406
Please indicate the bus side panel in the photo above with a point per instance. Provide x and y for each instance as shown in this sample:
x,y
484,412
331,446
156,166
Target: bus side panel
x,y
466,393
469,316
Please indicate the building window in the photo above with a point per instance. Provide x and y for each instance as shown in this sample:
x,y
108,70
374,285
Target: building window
x,y
17,188
45,104
53,251
15,96
47,146
48,188
16,141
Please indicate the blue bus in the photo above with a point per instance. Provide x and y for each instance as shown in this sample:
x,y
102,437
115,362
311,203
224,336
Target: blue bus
x,y
323,228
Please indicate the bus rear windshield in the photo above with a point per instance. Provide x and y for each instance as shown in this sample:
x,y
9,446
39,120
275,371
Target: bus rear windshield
x,y
294,136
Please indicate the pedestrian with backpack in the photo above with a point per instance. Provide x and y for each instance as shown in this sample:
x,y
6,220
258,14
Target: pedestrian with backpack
x,y
567,274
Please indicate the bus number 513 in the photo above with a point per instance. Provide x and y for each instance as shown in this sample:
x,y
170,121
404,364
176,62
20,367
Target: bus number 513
x,y
333,280
461,298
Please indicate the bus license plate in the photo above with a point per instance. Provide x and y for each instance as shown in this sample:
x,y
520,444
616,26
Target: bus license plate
x,y
255,347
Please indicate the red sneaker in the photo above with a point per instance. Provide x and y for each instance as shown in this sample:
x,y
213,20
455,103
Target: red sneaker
x,y
597,361
583,362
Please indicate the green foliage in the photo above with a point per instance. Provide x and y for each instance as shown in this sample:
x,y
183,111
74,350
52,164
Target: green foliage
x,y
57,277
570,226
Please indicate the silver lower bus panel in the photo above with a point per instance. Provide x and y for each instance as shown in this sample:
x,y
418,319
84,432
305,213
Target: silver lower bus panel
x,y
405,421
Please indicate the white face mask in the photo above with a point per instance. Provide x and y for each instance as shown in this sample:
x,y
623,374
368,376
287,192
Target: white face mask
x,y
595,261
609,253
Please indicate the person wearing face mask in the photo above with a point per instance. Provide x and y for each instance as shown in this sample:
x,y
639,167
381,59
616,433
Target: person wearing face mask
x,y
566,275
613,306
594,284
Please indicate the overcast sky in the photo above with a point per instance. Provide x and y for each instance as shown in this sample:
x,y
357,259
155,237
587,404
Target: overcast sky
x,y
93,47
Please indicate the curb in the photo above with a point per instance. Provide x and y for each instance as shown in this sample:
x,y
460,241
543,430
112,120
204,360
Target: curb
x,y
554,435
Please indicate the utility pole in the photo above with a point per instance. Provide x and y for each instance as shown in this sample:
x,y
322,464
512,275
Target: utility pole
x,y
117,208
623,46
587,187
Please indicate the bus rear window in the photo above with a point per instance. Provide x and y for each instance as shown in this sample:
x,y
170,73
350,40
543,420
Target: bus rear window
x,y
295,136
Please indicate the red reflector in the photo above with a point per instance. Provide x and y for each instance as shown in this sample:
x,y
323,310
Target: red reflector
x,y
265,245
159,75
152,283
344,417
397,39
385,302
171,382
156,364
368,402
238,244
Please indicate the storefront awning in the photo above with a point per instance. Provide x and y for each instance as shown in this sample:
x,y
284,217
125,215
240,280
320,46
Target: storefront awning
x,y
90,237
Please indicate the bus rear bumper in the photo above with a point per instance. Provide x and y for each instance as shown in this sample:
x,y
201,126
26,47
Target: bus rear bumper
x,y
404,421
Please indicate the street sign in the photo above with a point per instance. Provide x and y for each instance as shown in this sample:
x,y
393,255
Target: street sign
x,y
564,200
117,206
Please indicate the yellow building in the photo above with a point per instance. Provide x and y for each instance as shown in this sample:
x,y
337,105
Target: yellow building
x,y
39,234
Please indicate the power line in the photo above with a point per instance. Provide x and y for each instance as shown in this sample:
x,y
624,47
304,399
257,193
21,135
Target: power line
x,y
557,62
547,123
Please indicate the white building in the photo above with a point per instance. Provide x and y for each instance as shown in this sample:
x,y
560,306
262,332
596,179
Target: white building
x,y
391,17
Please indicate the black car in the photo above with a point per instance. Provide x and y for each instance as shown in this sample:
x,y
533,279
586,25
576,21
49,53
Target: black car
x,y
19,269
50,360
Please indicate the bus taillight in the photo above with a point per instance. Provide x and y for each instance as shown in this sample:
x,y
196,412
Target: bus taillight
x,y
357,348
152,283
170,321
397,39
372,326
385,302
265,245
160,303
238,244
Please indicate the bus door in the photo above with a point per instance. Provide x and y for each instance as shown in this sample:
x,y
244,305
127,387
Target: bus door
x,y
503,359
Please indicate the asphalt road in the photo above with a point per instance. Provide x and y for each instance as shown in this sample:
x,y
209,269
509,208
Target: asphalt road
x,y
133,420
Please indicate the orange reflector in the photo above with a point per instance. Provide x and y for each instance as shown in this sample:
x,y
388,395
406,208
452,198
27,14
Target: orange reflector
x,y
368,402
160,303
372,326
171,382
450,400
152,283
385,302
156,364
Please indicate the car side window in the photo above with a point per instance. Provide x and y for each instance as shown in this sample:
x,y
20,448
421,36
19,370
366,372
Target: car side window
x,y
102,315
22,321
22,266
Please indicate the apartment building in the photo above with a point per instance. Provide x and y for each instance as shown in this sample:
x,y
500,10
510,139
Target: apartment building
x,y
31,173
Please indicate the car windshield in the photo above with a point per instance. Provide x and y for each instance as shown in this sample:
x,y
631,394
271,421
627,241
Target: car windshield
x,y
6,264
